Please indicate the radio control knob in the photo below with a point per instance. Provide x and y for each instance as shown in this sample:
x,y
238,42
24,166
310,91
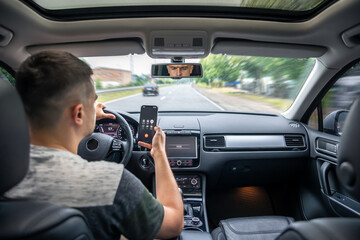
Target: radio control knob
x,y
194,181
179,163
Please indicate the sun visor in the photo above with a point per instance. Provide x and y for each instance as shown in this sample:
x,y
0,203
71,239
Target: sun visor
x,y
266,49
96,48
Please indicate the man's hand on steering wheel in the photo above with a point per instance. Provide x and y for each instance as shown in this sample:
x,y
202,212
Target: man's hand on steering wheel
x,y
99,146
100,114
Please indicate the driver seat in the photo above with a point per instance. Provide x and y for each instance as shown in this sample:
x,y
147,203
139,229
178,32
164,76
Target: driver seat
x,y
26,219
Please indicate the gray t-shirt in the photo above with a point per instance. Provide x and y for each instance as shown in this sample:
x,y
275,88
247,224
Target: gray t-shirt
x,y
114,201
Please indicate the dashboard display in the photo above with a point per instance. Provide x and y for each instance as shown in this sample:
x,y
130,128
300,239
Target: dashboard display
x,y
111,129
181,147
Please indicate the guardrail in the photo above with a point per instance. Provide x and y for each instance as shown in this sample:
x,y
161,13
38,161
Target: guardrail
x,y
116,89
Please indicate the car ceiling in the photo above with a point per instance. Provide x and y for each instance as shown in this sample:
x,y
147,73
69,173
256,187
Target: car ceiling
x,y
32,32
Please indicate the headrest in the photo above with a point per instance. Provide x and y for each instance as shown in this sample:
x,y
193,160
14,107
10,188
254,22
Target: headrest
x,y
14,138
348,168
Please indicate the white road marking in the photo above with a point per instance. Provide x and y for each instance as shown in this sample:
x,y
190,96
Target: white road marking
x,y
162,98
216,105
111,101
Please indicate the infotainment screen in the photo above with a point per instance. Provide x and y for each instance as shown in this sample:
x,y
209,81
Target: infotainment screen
x,y
181,147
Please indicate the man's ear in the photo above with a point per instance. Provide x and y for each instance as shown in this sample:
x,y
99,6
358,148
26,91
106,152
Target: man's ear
x,y
77,114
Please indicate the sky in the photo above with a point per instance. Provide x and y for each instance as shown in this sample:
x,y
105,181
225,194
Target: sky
x,y
141,63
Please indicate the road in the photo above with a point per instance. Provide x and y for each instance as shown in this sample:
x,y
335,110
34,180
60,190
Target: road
x,y
187,98
173,98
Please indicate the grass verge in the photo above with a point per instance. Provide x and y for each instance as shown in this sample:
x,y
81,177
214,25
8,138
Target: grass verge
x,y
282,104
104,97
279,103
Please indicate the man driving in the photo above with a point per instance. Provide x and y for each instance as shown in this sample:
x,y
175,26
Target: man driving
x,y
181,70
60,103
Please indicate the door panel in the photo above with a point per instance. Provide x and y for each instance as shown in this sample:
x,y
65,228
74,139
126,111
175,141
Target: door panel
x,y
336,201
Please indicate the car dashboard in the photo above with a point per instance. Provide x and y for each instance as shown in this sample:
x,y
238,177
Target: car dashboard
x,y
219,149
232,148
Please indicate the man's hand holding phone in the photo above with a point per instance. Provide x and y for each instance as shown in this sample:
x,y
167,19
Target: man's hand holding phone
x,y
158,143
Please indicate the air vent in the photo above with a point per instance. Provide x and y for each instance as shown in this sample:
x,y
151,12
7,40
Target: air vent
x,y
215,141
294,141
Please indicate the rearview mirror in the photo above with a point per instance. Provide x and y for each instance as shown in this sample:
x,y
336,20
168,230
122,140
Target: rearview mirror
x,y
177,70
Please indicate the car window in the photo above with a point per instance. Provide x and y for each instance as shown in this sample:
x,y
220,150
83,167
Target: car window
x,y
229,83
5,75
337,102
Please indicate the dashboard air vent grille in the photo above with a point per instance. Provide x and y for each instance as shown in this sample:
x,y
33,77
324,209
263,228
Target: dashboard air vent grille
x,y
294,141
218,141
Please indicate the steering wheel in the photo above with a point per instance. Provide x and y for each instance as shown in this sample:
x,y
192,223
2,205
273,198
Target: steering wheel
x,y
99,146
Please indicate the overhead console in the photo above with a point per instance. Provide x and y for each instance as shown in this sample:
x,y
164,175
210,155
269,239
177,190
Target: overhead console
x,y
175,44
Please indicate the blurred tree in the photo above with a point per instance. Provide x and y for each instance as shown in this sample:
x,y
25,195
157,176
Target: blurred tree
x,y
283,71
254,68
141,79
218,67
98,84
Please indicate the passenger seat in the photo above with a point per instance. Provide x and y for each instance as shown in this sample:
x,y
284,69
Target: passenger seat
x,y
251,228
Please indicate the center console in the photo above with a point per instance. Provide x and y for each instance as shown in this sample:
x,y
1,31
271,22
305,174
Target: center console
x,y
182,148
193,189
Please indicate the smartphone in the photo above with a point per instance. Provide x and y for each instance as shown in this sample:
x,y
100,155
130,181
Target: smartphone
x,y
148,120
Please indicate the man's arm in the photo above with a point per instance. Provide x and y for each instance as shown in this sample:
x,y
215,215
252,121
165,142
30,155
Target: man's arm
x,y
166,188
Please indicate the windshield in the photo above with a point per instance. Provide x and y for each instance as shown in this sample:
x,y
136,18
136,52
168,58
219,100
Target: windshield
x,y
229,83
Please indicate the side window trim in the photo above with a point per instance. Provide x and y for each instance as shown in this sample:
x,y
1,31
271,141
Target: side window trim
x,y
10,73
320,117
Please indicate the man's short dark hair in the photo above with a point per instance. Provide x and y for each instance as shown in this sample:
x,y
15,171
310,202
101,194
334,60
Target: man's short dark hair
x,y
48,81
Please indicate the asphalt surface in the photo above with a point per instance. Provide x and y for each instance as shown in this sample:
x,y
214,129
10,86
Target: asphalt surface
x,y
189,98
173,98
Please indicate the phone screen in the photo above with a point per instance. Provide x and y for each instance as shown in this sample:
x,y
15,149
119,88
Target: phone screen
x,y
148,120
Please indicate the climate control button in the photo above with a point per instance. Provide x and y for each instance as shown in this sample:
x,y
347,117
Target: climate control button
x,y
194,181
